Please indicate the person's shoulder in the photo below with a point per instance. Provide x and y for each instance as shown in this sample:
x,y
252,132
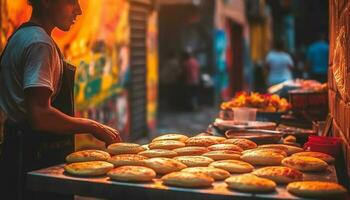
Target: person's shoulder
x,y
325,44
286,54
33,34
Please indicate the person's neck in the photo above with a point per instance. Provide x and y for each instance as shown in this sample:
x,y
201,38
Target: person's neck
x,y
43,22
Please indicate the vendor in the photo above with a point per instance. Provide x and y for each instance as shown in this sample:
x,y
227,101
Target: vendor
x,y
36,94
278,64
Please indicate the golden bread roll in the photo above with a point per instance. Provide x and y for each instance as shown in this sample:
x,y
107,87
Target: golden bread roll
x,y
250,183
127,159
305,163
232,166
145,147
187,179
124,148
289,149
87,155
325,157
266,149
191,151
166,144
194,161
171,136
215,173
316,189
274,146
219,147
204,140
90,168
164,165
245,144
223,155
279,174
132,174
152,153
262,158
290,138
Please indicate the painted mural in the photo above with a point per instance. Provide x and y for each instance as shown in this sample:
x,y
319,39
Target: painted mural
x,y
98,44
152,70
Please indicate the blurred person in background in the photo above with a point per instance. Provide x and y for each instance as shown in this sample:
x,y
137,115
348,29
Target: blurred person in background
x,y
192,79
171,80
278,65
317,59
36,94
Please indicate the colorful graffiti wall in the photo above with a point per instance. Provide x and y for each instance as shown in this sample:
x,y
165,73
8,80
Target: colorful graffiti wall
x,y
98,44
152,70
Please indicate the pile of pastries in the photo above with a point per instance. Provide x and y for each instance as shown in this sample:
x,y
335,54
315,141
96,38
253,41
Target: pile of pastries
x,y
263,102
200,160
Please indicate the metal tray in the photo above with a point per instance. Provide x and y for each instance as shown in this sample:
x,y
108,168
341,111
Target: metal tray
x,y
53,179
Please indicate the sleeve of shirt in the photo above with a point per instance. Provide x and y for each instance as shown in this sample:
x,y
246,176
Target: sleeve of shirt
x,y
290,60
38,66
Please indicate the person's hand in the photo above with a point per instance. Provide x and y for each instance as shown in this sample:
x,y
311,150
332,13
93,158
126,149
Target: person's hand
x,y
115,131
106,134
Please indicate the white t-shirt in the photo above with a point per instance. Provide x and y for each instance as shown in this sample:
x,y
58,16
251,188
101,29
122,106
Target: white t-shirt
x,y
279,63
30,60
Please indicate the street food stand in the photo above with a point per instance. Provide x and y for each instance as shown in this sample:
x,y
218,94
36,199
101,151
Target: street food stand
x,y
55,179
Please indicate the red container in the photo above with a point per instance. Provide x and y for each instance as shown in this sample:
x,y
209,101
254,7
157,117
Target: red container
x,y
324,139
314,104
328,145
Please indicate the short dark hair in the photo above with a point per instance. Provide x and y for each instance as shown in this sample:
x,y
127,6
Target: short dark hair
x,y
34,3
279,44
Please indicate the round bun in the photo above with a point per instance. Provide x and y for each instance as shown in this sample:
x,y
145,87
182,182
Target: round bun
x,y
127,159
171,136
87,155
90,168
132,174
152,153
164,165
124,148
191,151
187,179
166,144
232,166
305,163
194,161
215,173
204,140
223,155
279,174
316,189
250,183
243,143
325,157
262,158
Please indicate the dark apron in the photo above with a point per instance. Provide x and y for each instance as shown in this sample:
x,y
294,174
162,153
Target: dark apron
x,y
24,149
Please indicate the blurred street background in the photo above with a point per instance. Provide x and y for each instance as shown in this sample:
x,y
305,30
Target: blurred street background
x,y
150,67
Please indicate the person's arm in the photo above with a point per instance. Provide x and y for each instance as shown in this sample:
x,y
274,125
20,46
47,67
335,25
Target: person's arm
x,y
266,65
290,62
43,117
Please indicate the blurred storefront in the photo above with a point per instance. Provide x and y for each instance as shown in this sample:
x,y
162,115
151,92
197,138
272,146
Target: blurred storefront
x,y
231,48
114,45
216,32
